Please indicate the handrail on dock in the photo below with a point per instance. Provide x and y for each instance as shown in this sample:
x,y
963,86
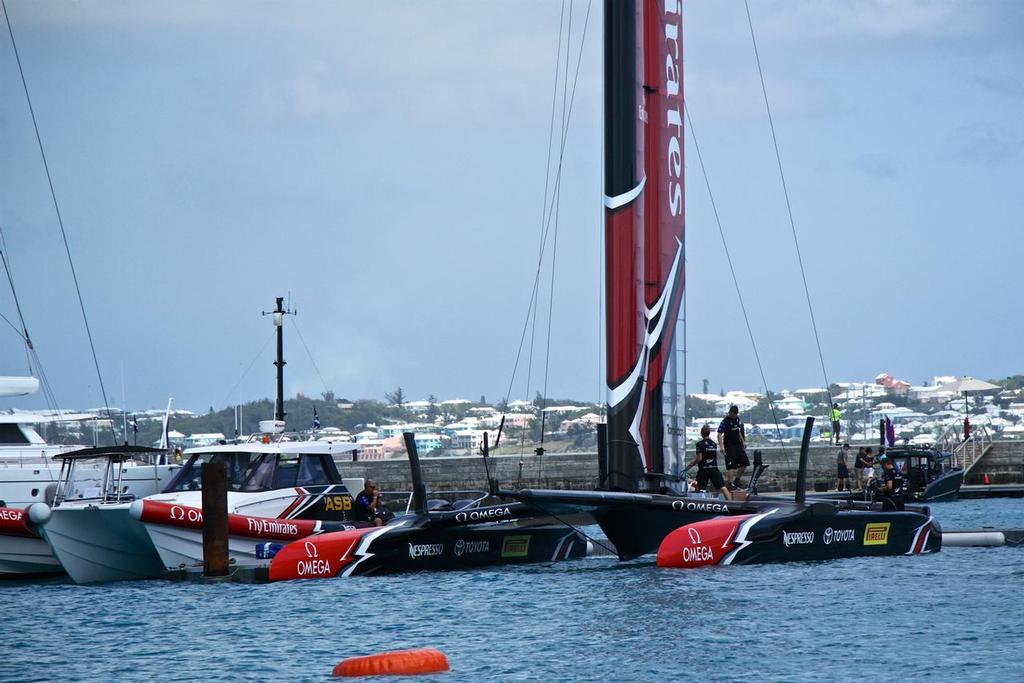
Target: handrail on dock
x,y
965,453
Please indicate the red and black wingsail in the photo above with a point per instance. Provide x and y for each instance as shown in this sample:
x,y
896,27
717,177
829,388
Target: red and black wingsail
x,y
643,226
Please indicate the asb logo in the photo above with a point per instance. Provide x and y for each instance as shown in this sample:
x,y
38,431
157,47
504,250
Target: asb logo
x,y
876,534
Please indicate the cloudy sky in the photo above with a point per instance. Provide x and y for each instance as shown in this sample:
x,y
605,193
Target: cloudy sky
x,y
383,164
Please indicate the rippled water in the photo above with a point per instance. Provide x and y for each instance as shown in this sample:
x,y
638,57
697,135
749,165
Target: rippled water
x,y
958,613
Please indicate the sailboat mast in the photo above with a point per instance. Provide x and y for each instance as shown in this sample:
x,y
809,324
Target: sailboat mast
x,y
624,183
643,231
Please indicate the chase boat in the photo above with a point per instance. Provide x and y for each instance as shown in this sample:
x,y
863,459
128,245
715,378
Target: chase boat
x,y
100,540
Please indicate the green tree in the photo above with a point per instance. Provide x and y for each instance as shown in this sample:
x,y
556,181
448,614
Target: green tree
x,y
396,397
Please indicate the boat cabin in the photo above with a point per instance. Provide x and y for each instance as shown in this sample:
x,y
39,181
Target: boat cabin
x,y
253,467
927,473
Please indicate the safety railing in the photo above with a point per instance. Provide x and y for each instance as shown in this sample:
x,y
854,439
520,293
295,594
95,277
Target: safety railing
x,y
965,452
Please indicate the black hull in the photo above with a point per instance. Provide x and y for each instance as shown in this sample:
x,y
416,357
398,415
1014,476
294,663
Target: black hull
x,y
432,542
801,536
945,488
639,524
447,549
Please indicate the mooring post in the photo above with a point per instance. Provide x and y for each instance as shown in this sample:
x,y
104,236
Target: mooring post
x,y
214,480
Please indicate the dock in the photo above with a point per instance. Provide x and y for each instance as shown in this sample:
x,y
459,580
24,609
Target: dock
x,y
992,491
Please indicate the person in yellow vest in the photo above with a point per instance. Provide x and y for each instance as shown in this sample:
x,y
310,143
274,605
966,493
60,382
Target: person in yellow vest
x,y
835,422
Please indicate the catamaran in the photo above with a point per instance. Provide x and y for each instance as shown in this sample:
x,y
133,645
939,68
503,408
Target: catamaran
x,y
643,508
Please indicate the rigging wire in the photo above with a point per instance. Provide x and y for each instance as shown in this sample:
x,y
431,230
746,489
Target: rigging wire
x,y
543,213
255,358
732,271
17,305
789,208
556,201
299,332
549,210
60,220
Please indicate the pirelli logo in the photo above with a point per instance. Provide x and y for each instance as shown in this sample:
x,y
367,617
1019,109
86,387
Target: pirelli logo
x,y
515,546
876,534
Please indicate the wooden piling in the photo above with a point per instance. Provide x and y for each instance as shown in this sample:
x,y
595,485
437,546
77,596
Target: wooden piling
x,y
215,518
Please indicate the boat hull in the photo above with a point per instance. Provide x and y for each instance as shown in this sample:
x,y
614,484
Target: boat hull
x,y
25,556
100,543
774,537
22,552
639,524
404,547
176,532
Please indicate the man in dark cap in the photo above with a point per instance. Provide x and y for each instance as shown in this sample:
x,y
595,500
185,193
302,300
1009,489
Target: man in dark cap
x,y
892,481
733,440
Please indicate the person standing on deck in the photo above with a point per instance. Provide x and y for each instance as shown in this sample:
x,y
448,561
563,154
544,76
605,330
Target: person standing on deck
x,y
842,469
706,462
835,415
866,467
733,440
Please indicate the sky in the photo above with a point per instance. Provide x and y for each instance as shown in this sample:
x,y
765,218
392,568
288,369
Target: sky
x,y
382,164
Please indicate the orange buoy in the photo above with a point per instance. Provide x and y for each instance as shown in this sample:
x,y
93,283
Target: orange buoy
x,y
985,480
398,662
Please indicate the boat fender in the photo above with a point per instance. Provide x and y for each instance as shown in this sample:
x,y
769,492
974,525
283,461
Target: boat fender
x,y
395,663
39,513
136,508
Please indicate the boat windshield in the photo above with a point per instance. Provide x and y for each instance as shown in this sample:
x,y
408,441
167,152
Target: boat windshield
x,y
255,471
241,469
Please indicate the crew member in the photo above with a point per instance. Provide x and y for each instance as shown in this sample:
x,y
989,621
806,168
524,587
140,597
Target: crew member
x,y
842,469
892,481
368,505
733,440
706,462
866,467
835,415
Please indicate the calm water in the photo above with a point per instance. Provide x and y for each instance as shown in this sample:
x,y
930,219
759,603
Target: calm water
x,y
958,613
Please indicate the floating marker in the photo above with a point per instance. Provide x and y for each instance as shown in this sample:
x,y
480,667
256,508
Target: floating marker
x,y
397,662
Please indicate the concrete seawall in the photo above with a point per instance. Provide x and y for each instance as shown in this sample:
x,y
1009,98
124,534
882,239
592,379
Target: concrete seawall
x,y
1003,464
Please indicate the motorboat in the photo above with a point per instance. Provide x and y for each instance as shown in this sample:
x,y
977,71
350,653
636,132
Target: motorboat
x,y
271,476
87,477
928,474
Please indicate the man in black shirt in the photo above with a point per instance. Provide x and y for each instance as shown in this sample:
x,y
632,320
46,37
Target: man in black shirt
x,y
706,462
733,440
892,482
